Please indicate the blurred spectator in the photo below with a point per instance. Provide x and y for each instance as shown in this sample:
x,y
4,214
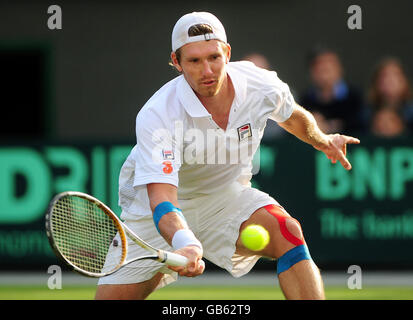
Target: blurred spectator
x,y
388,123
390,89
336,105
272,130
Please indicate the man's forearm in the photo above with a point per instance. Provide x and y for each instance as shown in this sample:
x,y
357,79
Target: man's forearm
x,y
303,125
168,217
169,223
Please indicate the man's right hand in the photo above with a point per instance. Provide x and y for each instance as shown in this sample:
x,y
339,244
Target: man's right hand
x,y
195,265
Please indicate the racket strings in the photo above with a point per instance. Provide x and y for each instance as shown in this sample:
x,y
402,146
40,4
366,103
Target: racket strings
x,y
82,232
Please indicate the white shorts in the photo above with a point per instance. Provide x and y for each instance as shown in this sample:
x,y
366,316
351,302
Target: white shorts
x,y
215,221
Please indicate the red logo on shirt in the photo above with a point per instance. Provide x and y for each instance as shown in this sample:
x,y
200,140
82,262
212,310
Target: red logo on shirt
x,y
167,167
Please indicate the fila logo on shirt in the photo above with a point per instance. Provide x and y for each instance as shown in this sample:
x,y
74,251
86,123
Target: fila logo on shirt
x,y
168,154
244,132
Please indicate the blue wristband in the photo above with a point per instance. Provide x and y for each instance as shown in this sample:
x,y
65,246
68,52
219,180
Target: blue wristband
x,y
162,209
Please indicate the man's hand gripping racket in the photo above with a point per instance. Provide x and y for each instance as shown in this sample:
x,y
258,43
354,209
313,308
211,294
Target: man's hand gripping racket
x,y
81,229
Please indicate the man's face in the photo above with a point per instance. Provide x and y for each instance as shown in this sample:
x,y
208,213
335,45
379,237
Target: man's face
x,y
203,66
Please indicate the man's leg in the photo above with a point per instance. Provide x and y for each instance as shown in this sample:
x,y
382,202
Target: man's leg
x,y
134,291
299,280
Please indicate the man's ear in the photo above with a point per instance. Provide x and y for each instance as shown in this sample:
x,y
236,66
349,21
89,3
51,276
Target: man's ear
x,y
228,56
175,62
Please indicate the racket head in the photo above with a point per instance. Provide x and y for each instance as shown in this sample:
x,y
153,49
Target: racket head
x,y
80,229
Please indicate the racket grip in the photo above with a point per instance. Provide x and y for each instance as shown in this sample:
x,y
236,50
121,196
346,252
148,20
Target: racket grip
x,y
175,260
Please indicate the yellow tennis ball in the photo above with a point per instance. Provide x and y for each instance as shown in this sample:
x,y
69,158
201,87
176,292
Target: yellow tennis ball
x,y
255,237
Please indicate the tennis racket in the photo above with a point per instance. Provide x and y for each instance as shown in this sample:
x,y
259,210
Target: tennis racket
x,y
81,229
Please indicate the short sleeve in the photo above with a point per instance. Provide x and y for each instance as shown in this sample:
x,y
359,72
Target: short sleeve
x,y
156,156
282,99
277,94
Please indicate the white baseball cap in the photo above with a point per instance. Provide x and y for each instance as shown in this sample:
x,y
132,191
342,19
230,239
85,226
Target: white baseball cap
x,y
180,35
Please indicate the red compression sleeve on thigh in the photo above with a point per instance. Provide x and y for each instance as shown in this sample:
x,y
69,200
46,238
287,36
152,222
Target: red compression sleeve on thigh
x,y
281,215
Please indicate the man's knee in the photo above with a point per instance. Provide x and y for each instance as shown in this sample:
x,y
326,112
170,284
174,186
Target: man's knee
x,y
290,228
295,249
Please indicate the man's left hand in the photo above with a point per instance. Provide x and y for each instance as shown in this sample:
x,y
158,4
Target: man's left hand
x,y
335,148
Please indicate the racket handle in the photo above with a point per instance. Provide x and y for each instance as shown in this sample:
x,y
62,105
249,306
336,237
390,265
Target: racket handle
x,y
175,260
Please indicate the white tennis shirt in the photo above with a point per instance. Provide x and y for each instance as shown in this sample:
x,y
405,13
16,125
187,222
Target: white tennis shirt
x,y
179,143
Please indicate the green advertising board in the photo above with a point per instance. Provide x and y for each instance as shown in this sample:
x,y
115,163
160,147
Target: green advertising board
x,y
31,175
363,216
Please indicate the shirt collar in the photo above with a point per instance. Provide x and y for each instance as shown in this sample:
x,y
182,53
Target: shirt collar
x,y
190,101
193,105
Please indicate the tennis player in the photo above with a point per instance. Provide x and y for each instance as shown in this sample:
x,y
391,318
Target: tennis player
x,y
184,191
